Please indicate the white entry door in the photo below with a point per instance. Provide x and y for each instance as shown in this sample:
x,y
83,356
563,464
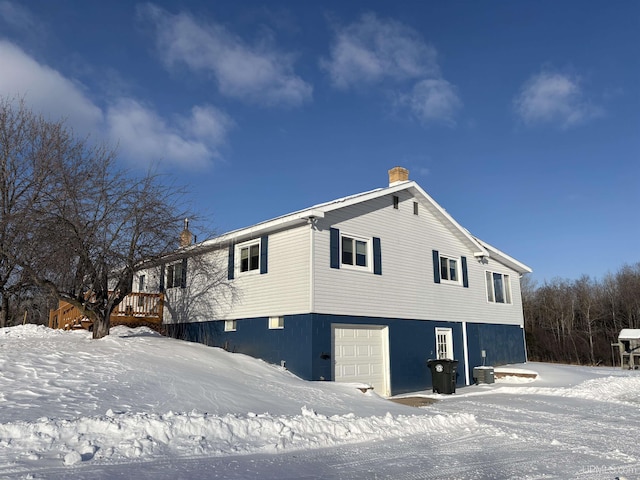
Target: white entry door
x,y
444,344
361,355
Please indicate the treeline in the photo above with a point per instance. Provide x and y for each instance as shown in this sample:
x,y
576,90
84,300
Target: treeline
x,y
576,321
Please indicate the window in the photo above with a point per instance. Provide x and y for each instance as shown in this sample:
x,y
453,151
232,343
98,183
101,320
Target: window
x,y
174,275
230,325
276,323
250,257
498,287
415,208
449,269
355,252
396,202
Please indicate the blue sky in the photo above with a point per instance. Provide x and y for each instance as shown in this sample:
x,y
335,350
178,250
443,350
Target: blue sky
x,y
522,119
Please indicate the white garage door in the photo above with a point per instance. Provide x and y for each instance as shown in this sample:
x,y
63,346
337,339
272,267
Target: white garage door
x,y
361,355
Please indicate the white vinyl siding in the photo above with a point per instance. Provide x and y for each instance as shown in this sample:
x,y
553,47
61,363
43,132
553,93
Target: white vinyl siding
x,y
285,289
406,288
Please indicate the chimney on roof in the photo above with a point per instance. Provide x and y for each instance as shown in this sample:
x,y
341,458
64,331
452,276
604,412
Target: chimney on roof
x,y
186,237
397,175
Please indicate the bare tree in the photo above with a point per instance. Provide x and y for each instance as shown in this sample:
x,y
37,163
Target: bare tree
x,y
71,221
97,224
27,152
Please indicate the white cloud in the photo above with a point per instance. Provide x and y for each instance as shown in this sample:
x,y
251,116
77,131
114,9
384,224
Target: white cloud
x,y
146,137
554,98
388,55
46,90
17,16
373,50
433,101
142,134
259,74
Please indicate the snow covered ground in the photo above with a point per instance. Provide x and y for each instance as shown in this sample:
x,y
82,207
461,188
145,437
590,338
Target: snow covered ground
x,y
137,405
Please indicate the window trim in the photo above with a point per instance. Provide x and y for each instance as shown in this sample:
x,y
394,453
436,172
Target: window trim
x,y
490,294
173,274
276,322
247,245
458,269
230,325
368,267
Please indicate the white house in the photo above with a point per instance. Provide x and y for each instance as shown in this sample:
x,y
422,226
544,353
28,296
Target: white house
x,y
365,288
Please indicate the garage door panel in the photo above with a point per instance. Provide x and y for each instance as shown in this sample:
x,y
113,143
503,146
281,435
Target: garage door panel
x,y
360,356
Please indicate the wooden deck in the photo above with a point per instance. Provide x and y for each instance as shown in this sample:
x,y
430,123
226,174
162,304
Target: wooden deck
x,y
136,309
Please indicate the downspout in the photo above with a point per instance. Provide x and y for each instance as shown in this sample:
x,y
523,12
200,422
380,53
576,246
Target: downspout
x,y
465,347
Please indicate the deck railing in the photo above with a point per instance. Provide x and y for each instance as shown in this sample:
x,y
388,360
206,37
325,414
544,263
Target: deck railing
x,y
136,308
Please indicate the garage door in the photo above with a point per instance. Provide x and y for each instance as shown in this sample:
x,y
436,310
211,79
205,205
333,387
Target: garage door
x,y
361,355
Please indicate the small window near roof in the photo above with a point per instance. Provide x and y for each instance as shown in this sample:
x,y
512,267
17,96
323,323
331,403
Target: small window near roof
x,y
276,323
396,202
415,208
230,325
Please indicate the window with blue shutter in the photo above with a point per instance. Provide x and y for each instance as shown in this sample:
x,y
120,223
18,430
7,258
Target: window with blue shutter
x,y
450,270
183,277
465,274
264,245
335,247
377,256
231,265
162,271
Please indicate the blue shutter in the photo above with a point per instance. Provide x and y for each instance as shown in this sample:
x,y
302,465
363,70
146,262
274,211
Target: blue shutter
x,y
436,266
465,275
264,247
231,266
377,256
161,287
183,279
335,247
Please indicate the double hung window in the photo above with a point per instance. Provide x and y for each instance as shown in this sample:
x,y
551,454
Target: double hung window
x,y
498,287
250,257
355,252
175,275
449,269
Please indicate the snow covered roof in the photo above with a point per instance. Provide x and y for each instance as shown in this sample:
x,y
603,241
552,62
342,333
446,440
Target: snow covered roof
x,y
480,248
629,334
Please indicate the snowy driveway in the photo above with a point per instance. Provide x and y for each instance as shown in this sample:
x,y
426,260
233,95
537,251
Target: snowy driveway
x,y
140,406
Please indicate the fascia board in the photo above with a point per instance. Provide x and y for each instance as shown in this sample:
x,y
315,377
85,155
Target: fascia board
x,y
506,259
480,251
263,228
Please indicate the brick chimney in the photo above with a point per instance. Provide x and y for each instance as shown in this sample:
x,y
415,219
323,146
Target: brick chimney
x,y
397,175
186,237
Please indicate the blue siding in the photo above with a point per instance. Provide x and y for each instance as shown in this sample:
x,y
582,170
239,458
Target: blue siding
x,y
253,337
502,343
305,344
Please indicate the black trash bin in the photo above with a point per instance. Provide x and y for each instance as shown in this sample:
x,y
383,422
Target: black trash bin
x,y
443,375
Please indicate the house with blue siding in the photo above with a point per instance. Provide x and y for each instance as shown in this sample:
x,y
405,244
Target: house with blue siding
x,y
362,289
